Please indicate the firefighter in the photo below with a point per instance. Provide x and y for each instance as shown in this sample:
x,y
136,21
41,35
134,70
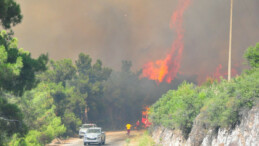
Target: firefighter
x,y
137,125
128,126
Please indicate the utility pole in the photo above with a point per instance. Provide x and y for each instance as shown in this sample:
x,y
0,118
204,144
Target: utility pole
x,y
230,41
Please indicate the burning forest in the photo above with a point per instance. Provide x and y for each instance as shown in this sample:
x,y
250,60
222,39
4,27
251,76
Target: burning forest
x,y
102,61
164,39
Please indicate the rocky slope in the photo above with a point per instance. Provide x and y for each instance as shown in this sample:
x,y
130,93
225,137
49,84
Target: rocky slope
x,y
244,134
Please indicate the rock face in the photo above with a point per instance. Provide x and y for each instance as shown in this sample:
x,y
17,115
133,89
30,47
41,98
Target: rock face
x,y
245,134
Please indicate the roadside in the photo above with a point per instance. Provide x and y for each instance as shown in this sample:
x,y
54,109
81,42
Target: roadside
x,y
140,139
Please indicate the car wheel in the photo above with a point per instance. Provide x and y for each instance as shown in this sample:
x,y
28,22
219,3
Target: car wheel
x,y
85,144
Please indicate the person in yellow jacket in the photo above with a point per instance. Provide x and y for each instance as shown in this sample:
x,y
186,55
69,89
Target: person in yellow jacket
x,y
128,126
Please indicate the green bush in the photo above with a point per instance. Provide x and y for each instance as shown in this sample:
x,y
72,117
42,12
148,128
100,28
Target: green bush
x,y
252,56
39,112
219,105
228,100
178,108
146,140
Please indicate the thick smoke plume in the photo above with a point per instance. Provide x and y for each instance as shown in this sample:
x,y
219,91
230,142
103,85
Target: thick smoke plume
x,y
167,69
137,30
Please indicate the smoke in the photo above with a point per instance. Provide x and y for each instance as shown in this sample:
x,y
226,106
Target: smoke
x,y
211,29
115,30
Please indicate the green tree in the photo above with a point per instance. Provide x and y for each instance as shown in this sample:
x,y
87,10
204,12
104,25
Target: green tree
x,y
24,66
252,56
17,74
70,103
60,71
95,72
80,95
10,13
8,70
40,113
11,121
126,66
89,83
70,106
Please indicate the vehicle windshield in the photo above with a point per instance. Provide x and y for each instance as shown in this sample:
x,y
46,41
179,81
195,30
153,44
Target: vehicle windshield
x,y
87,126
94,131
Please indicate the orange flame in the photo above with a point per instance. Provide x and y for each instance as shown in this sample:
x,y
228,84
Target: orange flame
x,y
166,69
218,74
144,119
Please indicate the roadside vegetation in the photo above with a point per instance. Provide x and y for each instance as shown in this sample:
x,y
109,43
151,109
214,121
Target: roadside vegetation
x,y
17,75
146,140
140,138
41,101
218,104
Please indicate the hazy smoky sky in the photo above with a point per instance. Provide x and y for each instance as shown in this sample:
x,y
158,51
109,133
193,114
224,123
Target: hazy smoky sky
x,y
138,30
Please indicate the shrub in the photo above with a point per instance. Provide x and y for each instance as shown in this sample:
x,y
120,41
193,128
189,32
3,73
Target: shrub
x,y
252,56
178,108
146,140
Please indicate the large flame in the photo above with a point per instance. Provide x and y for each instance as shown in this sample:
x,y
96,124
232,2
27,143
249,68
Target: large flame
x,y
166,69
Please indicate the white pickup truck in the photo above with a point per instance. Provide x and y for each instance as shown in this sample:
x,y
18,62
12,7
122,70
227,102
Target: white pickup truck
x,y
94,135
84,128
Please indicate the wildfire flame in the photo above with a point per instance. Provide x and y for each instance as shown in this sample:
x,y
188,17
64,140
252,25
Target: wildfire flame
x,y
220,72
145,114
166,69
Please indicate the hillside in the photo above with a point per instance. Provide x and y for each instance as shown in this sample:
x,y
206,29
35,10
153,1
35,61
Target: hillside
x,y
208,114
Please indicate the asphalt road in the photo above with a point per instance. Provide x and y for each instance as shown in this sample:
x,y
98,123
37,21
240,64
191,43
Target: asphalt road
x,y
117,138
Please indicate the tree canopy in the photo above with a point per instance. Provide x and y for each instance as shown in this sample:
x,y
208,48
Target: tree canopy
x,y
18,68
10,13
17,74
78,98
